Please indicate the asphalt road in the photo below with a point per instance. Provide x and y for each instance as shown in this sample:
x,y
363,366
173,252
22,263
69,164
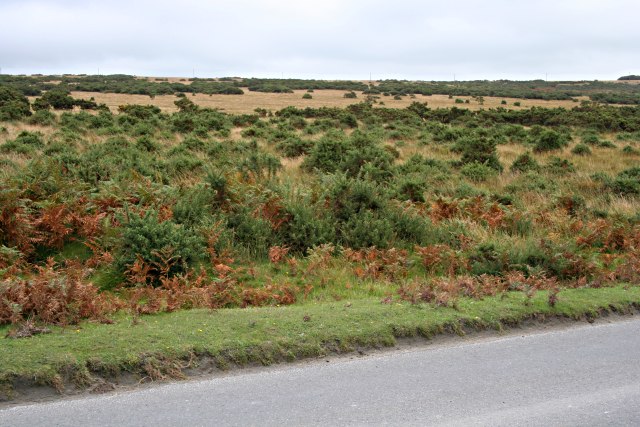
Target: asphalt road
x,y
584,375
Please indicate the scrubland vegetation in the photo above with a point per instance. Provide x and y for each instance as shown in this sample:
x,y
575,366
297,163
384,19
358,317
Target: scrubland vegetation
x,y
107,215
600,91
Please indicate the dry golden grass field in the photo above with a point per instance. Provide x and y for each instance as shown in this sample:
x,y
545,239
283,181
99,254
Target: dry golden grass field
x,y
248,102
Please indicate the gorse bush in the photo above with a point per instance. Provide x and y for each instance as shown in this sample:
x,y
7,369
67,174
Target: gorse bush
x,y
627,182
558,166
165,247
13,104
581,150
549,140
477,172
480,150
525,163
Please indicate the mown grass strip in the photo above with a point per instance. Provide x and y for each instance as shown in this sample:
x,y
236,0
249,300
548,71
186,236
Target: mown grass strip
x,y
268,335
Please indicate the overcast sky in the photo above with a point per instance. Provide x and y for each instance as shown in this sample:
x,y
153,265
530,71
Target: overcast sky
x,y
324,39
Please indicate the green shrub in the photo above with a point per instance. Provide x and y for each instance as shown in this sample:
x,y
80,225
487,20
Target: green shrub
x,y
25,143
480,150
294,147
410,187
412,229
558,166
486,259
13,104
194,207
531,181
145,143
57,99
581,150
33,139
631,151
155,242
42,118
252,234
525,163
350,95
607,144
347,197
549,140
304,228
327,154
477,172
307,96
365,230
591,139
595,141
627,182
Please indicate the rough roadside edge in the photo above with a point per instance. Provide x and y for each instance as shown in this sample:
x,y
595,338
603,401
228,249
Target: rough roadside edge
x,y
93,378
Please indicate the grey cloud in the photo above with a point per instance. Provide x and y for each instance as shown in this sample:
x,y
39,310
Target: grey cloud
x,y
323,39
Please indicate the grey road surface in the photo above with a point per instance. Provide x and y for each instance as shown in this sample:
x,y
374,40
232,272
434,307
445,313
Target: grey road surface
x,y
584,375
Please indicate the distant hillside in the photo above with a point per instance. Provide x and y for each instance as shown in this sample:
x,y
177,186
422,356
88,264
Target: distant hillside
x,y
632,77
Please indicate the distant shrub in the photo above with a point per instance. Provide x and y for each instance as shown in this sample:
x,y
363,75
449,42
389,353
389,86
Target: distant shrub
x,y
42,118
307,96
350,95
594,140
459,101
145,143
33,139
517,104
549,140
294,147
525,163
503,102
531,181
607,144
411,187
477,172
13,104
57,99
581,150
25,143
627,182
591,139
558,166
480,150
629,150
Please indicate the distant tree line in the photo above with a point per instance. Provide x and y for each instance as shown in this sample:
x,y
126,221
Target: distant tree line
x,y
603,92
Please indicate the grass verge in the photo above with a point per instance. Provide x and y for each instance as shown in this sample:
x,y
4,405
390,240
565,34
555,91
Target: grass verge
x,y
166,345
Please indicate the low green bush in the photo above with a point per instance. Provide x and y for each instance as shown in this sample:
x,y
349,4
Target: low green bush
x,y
525,163
477,172
581,150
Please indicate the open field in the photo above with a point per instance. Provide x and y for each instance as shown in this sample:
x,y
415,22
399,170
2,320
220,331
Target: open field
x,y
247,103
